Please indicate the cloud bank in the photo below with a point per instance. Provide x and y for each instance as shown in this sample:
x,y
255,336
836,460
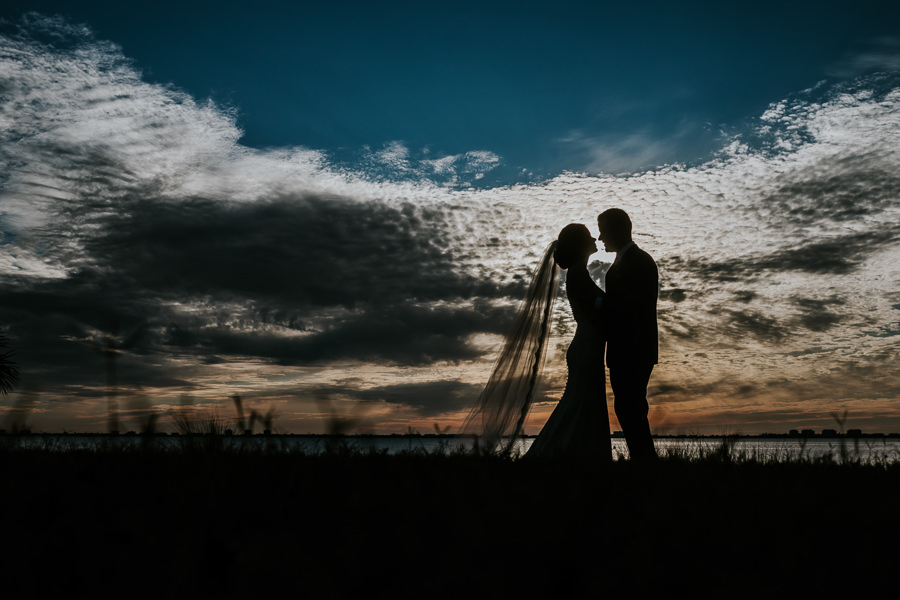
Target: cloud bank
x,y
126,205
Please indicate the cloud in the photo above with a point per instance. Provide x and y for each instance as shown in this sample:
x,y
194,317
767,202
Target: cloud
x,y
626,153
288,281
427,399
750,322
883,54
839,255
836,256
129,203
395,161
815,314
400,335
306,251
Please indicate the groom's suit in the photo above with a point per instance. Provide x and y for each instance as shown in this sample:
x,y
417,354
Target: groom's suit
x,y
628,315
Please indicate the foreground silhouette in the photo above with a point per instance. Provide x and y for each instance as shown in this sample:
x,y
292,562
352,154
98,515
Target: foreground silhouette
x,y
628,316
579,425
620,322
228,524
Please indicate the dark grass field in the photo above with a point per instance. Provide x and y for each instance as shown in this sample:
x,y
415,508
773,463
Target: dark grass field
x,y
350,525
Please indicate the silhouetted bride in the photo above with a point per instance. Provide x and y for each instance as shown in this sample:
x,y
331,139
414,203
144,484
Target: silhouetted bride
x,y
579,426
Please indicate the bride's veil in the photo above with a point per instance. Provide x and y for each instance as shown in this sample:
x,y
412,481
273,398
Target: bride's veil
x,y
499,415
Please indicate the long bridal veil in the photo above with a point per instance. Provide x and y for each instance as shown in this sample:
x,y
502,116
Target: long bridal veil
x,y
499,415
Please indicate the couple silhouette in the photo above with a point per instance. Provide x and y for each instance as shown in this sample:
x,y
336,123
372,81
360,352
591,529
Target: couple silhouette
x,y
616,328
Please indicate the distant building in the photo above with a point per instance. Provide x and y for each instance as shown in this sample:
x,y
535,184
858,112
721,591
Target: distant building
x,y
829,433
854,432
807,432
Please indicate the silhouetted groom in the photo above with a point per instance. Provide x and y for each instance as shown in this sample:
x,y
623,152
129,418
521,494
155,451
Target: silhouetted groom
x,y
628,315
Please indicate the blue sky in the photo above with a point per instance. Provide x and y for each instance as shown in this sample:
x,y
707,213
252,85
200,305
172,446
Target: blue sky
x,y
540,84
346,202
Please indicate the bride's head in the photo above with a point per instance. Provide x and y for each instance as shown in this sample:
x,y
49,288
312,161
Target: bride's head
x,y
574,245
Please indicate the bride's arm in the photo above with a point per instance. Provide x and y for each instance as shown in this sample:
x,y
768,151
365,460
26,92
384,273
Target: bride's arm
x,y
585,296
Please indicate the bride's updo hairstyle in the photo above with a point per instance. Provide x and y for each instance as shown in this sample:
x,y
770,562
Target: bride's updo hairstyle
x,y
571,244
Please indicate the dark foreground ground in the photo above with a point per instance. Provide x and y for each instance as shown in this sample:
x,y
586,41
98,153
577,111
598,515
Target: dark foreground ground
x,y
334,526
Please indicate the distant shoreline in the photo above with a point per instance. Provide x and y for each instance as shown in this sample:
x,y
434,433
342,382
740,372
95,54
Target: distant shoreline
x,y
614,435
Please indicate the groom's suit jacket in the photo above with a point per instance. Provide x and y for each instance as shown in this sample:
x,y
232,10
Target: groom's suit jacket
x,y
628,311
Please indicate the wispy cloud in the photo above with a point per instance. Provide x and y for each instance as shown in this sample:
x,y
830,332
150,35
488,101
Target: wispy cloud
x,y
628,152
883,54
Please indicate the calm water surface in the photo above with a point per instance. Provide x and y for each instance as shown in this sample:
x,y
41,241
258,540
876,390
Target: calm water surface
x,y
870,450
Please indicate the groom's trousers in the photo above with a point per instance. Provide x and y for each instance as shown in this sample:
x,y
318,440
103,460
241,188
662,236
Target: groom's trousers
x,y
629,386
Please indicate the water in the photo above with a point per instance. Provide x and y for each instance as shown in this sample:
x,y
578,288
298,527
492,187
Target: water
x,y
867,450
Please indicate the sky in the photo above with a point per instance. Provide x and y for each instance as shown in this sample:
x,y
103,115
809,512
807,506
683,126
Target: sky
x,y
332,211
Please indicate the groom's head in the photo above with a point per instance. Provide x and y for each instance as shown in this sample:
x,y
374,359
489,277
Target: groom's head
x,y
615,229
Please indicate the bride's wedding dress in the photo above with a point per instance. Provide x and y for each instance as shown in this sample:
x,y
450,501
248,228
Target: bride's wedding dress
x,y
579,425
